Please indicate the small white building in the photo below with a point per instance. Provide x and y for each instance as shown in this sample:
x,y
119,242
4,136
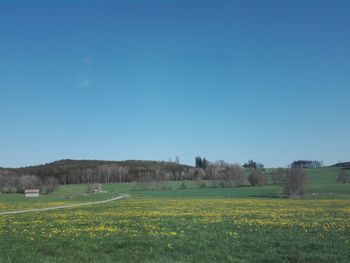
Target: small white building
x,y
31,193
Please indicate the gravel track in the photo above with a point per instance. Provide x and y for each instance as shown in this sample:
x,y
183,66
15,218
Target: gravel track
x,y
121,196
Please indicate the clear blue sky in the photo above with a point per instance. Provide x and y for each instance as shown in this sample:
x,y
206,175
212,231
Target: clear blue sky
x,y
231,80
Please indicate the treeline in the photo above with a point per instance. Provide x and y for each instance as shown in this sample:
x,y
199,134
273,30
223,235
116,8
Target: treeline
x,y
253,164
90,172
220,176
93,171
147,174
345,165
307,164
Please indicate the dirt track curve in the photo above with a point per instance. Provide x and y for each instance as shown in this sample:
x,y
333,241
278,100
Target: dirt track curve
x,y
121,196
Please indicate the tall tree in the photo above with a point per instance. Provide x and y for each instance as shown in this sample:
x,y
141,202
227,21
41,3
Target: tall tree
x,y
204,163
199,162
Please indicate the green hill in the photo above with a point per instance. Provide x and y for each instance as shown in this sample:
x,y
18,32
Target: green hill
x,y
86,171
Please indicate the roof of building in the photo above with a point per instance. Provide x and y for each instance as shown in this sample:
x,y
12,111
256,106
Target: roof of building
x,y
31,191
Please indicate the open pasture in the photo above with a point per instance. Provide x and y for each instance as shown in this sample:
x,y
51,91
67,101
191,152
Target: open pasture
x,y
182,230
248,224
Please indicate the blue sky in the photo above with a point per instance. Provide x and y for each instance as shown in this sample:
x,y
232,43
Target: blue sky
x,y
231,80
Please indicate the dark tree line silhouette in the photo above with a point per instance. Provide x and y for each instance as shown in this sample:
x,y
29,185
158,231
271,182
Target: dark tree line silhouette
x,y
253,164
201,163
306,164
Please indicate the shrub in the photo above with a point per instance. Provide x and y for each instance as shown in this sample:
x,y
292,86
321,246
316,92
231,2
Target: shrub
x,y
8,189
165,187
92,188
183,185
257,178
203,185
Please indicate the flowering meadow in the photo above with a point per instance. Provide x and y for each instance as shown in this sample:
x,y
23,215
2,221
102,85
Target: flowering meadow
x,y
182,230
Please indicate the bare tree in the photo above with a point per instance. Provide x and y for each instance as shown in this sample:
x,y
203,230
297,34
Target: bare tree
x,y
257,178
28,182
343,177
8,183
217,175
279,176
295,182
199,176
143,179
225,176
237,175
50,184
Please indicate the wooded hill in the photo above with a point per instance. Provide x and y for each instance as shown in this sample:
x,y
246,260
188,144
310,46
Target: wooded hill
x,y
345,165
96,171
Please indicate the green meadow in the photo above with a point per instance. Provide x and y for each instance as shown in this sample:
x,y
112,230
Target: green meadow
x,y
246,224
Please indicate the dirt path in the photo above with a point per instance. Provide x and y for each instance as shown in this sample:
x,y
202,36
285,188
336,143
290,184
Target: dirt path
x,y
65,206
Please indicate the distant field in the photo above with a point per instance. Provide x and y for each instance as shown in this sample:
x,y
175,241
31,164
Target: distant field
x,y
248,224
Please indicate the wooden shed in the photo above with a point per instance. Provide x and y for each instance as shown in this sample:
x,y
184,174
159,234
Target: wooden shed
x,y
31,193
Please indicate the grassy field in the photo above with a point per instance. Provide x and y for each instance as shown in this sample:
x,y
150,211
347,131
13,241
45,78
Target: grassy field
x,y
248,224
